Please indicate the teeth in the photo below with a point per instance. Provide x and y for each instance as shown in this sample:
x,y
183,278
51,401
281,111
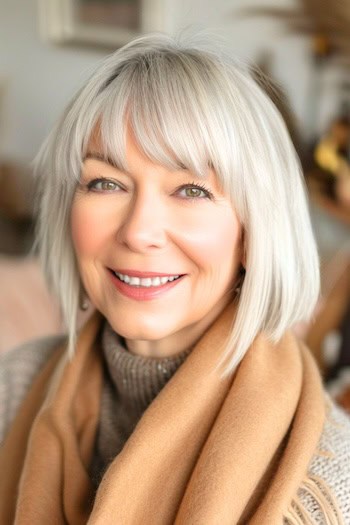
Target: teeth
x,y
147,282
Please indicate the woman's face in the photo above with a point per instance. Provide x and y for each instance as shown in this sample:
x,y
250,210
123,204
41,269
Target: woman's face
x,y
158,250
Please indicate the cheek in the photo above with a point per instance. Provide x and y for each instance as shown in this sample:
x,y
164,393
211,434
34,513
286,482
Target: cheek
x,y
89,228
215,241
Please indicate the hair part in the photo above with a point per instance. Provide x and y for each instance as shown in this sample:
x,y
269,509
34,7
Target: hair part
x,y
190,107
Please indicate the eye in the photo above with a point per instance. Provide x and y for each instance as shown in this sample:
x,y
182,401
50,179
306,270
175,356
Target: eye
x,y
194,191
103,185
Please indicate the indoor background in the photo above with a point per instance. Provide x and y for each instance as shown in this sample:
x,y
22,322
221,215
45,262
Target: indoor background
x,y
48,48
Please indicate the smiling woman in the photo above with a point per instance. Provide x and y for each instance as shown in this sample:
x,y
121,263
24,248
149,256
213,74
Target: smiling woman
x,y
158,252
171,198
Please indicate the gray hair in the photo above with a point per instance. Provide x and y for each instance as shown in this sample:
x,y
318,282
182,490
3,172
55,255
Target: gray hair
x,y
190,106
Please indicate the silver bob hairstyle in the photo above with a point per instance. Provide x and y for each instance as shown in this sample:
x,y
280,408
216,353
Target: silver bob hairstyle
x,y
192,106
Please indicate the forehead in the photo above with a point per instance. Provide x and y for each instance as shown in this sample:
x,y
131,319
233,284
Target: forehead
x,y
95,143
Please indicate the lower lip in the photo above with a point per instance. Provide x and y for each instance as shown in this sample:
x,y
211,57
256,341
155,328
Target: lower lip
x,y
142,293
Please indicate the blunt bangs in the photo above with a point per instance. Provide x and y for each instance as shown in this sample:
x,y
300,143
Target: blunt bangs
x,y
192,108
174,91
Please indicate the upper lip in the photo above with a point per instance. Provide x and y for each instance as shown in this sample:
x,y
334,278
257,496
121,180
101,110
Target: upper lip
x,y
144,275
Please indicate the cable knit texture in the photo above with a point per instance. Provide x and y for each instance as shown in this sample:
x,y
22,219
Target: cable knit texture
x,y
132,382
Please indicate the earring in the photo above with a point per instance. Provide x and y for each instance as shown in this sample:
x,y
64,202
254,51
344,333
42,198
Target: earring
x,y
83,301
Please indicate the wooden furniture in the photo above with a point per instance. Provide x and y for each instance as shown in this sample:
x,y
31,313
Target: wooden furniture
x,y
16,209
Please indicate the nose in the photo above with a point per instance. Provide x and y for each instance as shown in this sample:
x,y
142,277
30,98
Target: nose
x,y
144,228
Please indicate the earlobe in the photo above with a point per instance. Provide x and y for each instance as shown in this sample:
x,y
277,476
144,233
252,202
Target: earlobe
x,y
83,300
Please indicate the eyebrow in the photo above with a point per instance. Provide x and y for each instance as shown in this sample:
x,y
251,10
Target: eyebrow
x,y
99,156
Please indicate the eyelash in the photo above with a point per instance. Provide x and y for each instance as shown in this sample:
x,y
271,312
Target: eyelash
x,y
91,186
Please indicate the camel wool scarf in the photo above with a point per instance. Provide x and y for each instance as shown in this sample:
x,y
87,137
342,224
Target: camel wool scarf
x,y
206,451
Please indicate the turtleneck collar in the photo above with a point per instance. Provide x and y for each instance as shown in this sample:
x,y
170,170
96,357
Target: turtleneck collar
x,y
137,379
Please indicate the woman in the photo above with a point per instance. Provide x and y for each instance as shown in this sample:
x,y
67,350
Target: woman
x,y
172,199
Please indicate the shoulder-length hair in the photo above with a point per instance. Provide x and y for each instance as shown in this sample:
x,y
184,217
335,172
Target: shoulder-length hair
x,y
190,107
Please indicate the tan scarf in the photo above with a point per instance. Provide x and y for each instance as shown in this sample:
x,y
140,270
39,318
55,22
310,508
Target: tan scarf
x,y
206,451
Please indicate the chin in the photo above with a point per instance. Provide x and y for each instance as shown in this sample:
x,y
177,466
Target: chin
x,y
139,331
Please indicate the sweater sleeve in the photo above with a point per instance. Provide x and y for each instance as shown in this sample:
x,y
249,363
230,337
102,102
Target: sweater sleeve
x,y
329,472
18,368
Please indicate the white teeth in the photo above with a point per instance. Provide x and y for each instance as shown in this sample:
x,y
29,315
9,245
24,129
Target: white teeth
x,y
147,282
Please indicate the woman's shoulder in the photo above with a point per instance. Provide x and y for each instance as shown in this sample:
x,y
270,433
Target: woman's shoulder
x,y
329,471
18,368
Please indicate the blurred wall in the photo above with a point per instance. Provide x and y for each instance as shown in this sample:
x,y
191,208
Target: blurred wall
x,y
39,77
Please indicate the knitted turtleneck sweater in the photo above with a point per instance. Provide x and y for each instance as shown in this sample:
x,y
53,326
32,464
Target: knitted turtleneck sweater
x,y
131,383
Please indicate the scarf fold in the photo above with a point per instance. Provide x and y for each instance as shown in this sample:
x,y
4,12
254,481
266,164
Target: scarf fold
x,y
207,450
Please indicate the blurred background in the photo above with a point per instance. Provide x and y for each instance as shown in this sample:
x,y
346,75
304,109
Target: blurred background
x,y
48,48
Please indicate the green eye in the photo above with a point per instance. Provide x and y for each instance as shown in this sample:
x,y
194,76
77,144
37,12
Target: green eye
x,y
103,185
194,192
106,185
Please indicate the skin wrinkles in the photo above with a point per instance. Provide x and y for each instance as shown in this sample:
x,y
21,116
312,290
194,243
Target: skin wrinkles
x,y
151,224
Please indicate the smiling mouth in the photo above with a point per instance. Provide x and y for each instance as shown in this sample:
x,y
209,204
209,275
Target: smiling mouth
x,y
145,282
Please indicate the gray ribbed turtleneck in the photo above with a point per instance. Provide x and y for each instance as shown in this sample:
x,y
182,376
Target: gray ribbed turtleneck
x,y
131,383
